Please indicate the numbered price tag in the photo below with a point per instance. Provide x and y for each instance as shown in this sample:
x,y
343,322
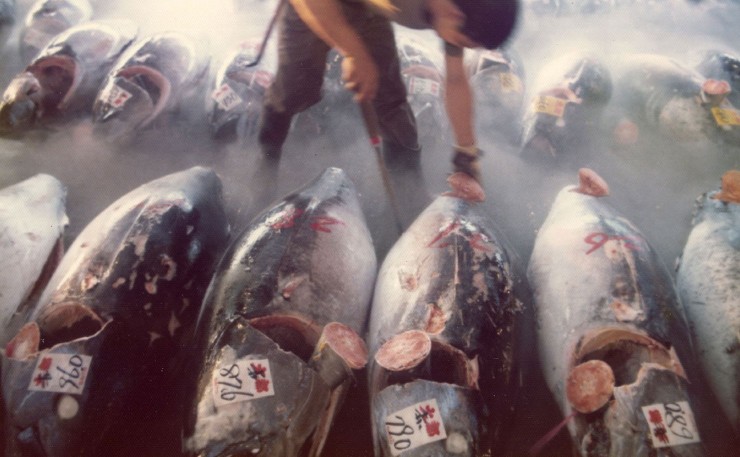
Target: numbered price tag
x,y
423,86
550,105
671,424
262,79
116,96
726,116
63,373
511,83
414,426
241,381
226,98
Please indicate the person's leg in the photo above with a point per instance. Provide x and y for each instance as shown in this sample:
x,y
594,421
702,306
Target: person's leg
x,y
297,84
395,115
401,150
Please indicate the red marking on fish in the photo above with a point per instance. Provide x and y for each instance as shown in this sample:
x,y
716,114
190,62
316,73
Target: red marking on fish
x,y
321,223
287,218
599,239
451,227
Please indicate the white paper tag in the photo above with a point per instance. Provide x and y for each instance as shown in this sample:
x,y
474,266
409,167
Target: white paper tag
x,y
115,96
64,373
671,424
414,426
262,79
241,381
423,86
226,98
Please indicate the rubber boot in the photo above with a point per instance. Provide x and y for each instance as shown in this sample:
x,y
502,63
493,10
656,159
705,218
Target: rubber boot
x,y
273,130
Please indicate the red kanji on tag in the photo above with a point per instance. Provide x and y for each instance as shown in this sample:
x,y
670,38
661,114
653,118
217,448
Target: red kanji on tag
x,y
45,364
655,416
661,433
262,385
432,428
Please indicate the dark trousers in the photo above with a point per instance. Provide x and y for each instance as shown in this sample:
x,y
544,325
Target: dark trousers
x,y
300,74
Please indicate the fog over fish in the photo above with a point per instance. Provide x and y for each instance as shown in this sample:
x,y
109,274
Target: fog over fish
x,y
654,183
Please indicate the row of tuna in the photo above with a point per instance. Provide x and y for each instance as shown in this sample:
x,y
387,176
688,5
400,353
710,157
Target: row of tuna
x,y
567,100
261,347
101,66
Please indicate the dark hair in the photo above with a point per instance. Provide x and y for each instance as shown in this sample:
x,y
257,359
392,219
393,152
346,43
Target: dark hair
x,y
489,22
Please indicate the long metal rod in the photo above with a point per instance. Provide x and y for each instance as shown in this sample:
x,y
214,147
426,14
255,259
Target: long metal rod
x,y
373,130
268,32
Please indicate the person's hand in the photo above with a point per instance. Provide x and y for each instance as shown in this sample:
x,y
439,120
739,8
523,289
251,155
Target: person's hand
x,y
466,160
447,20
360,75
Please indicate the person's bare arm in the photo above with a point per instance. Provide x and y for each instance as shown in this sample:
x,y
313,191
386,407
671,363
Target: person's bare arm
x,y
459,99
326,19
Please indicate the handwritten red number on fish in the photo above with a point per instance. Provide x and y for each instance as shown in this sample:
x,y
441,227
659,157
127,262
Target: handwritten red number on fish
x,y
321,223
676,415
599,239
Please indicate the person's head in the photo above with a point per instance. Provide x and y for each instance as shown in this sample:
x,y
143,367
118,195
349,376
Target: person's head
x,y
488,22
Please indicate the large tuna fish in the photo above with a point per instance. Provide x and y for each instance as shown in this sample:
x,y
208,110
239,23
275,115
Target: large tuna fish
x,y
64,77
278,336
99,355
571,94
33,219
7,19
497,78
708,277
723,66
47,19
614,344
444,360
236,101
658,93
152,79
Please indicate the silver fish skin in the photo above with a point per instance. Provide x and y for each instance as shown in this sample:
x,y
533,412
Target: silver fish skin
x,y
48,18
63,79
235,103
571,93
659,93
498,79
153,78
33,220
7,19
124,300
604,299
707,280
448,292
301,267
